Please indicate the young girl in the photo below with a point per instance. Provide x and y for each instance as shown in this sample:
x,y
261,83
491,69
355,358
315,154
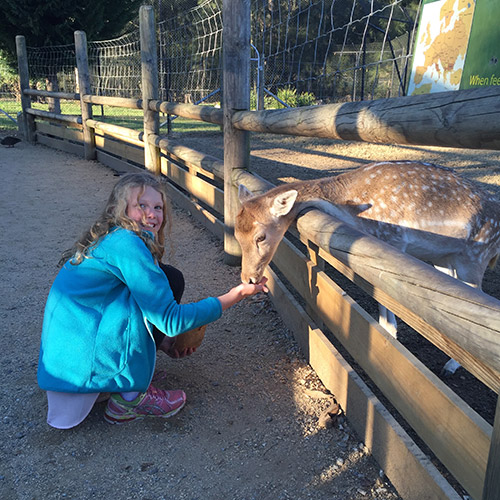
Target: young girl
x,y
111,307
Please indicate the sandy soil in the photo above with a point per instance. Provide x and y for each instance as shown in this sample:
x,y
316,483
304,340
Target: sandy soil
x,y
252,426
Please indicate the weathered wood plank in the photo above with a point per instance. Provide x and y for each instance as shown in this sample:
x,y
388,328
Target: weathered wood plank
x,y
123,133
68,147
460,119
119,102
70,96
207,114
208,220
125,151
198,187
206,164
67,133
119,165
46,115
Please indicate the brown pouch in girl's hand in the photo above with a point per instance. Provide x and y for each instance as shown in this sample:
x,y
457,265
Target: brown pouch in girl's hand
x,y
189,339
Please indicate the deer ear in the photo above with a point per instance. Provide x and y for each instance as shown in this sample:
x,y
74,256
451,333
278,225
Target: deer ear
x,y
283,203
243,193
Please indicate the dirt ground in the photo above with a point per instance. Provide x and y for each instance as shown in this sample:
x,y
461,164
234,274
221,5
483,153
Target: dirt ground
x,y
252,427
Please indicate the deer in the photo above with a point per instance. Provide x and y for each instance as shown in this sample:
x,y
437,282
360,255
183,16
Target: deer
x,y
425,210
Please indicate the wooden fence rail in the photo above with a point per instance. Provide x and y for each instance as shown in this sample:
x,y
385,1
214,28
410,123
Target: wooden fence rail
x,y
442,309
460,119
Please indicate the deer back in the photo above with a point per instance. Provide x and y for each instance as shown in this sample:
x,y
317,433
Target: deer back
x,y
423,209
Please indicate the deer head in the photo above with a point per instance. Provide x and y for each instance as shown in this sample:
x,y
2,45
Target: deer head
x,y
260,226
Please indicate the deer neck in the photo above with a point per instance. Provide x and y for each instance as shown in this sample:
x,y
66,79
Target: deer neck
x,y
328,195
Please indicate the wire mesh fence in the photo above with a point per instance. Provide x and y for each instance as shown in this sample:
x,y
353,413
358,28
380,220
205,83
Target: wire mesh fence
x,y
303,52
190,55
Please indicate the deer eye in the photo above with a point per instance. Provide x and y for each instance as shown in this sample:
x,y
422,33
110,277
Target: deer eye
x,y
260,238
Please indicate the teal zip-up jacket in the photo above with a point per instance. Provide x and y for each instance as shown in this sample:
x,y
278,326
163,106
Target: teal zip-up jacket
x,y
96,334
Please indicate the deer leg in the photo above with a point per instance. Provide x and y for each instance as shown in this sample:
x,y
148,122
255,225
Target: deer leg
x,y
468,275
387,320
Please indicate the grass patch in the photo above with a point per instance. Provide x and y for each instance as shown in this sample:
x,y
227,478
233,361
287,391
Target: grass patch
x,y
130,118
11,107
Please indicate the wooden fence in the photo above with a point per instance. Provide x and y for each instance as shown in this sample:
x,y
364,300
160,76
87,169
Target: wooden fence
x,y
461,321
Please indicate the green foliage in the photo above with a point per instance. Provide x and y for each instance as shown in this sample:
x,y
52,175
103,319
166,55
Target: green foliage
x,y
290,96
306,99
287,95
9,81
53,22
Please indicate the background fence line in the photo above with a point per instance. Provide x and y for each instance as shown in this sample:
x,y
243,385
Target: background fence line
x,y
309,51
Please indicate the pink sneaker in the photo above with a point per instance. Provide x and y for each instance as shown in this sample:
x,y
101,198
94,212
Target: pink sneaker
x,y
152,403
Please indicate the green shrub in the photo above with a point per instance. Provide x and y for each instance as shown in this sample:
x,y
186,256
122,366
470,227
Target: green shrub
x,y
306,99
288,95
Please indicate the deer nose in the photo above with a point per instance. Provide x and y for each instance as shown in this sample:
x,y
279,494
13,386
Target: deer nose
x,y
246,279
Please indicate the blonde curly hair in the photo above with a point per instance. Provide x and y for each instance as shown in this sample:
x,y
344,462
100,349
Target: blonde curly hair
x,y
115,215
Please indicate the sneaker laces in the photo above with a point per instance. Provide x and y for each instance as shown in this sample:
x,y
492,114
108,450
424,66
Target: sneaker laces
x,y
158,395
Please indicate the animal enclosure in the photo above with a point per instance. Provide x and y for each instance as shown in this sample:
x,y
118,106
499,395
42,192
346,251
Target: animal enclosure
x,y
206,186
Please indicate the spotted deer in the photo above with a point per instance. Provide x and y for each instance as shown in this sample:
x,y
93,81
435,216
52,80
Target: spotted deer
x,y
425,210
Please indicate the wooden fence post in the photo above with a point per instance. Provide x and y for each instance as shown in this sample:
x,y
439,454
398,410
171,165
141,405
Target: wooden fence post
x,y
149,65
236,97
24,83
82,63
491,489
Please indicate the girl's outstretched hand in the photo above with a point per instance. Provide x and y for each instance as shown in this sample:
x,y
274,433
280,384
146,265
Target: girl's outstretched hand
x,y
242,291
249,289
